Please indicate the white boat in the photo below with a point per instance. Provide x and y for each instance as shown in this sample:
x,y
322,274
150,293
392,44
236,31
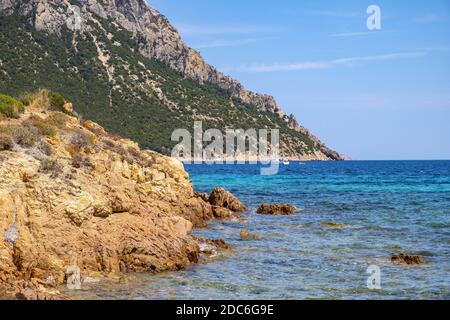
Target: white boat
x,y
286,162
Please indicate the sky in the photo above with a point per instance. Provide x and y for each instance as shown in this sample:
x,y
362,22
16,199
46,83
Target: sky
x,y
369,94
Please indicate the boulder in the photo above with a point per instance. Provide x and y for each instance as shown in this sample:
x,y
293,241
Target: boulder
x,y
222,213
276,209
403,258
203,196
221,198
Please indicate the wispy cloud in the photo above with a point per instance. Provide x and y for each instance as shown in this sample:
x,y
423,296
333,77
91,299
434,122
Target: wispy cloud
x,y
407,100
207,30
301,66
334,14
228,43
430,18
439,48
354,34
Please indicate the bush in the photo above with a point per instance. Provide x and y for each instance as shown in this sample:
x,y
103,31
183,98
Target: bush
x,y
78,162
43,126
82,139
7,129
6,142
51,166
25,137
27,98
59,119
56,100
38,99
45,148
10,107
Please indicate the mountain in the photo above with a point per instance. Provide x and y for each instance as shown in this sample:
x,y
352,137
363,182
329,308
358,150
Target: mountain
x,y
125,66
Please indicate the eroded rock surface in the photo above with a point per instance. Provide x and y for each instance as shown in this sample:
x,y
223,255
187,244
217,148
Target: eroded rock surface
x,y
221,198
91,200
277,209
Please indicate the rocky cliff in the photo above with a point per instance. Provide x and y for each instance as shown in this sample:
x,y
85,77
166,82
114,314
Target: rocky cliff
x,y
157,39
75,197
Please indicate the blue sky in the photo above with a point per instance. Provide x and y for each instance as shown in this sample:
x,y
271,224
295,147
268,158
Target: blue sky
x,y
368,94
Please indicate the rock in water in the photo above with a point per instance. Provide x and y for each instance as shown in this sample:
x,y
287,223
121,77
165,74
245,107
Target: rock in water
x,y
246,235
403,258
277,209
221,198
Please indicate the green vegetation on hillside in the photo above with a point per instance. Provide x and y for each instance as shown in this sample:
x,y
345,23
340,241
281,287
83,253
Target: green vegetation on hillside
x,y
146,100
10,107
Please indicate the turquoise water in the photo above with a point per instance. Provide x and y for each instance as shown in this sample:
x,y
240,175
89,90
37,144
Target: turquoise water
x,y
386,207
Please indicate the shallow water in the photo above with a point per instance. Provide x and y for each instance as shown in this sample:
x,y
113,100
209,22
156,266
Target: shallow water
x,y
386,207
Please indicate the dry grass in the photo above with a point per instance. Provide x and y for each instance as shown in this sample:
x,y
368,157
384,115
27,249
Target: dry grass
x,y
25,137
44,126
6,142
38,100
51,166
59,119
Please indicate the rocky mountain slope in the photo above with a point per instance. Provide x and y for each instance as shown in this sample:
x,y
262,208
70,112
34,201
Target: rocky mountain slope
x,y
128,68
73,196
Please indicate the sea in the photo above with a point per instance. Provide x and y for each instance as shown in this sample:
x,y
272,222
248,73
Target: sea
x,y
354,216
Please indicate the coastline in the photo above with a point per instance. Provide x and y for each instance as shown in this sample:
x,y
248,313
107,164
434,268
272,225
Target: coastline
x,y
245,159
78,203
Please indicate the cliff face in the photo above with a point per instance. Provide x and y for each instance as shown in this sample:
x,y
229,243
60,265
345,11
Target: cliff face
x,y
75,196
157,39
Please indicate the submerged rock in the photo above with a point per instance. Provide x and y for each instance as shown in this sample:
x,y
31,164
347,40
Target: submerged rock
x,y
334,225
403,258
277,209
213,249
246,235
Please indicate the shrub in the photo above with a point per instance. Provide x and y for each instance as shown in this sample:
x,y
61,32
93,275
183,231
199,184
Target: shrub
x,y
25,137
45,148
59,119
72,149
6,142
38,99
51,166
43,126
56,100
27,98
10,107
7,129
82,139
78,162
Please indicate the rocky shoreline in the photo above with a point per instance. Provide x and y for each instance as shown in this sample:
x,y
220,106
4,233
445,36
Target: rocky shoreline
x,y
78,203
74,197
